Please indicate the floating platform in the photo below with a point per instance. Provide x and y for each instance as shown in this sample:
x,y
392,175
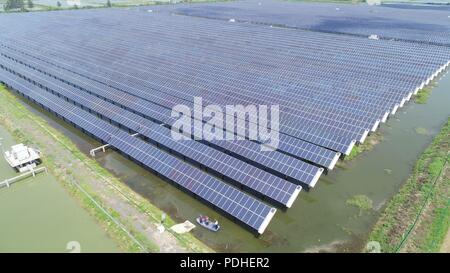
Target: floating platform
x,y
22,158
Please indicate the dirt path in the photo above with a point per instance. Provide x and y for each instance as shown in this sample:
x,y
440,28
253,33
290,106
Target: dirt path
x,y
446,244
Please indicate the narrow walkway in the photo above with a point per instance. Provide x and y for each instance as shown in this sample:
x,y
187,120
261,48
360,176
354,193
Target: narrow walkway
x,y
446,244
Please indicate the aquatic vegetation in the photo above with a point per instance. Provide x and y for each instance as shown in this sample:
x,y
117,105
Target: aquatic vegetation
x,y
362,202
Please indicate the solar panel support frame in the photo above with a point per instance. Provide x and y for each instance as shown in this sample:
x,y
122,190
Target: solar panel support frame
x,y
266,221
364,136
385,117
334,161
316,178
408,98
395,109
293,196
350,147
402,103
375,126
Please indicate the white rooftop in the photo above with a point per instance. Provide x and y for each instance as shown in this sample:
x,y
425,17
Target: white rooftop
x,y
20,155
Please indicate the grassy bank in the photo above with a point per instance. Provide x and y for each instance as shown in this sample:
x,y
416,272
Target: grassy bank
x,y
97,190
424,93
417,217
372,140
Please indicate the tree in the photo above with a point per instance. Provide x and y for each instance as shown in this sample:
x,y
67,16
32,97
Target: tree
x,y
108,4
58,4
14,4
30,4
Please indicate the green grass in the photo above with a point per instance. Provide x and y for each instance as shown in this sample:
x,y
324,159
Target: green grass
x,y
424,94
438,229
423,191
357,150
368,145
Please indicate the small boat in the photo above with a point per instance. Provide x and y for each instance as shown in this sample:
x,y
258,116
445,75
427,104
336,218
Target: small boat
x,y
205,222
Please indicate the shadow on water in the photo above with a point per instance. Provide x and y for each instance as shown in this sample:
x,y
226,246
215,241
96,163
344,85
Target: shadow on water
x,y
319,220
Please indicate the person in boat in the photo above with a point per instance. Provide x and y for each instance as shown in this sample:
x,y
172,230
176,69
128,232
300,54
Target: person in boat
x,y
204,219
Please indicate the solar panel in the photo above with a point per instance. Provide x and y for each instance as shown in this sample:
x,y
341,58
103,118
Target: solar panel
x,y
417,23
336,132
332,89
154,112
338,143
239,205
236,170
323,142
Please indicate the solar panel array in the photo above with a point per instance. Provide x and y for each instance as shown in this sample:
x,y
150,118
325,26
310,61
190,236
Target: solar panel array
x,y
242,173
117,72
241,206
416,23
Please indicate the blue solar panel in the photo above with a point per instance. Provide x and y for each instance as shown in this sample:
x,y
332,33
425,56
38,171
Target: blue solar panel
x,y
309,125
416,23
332,89
241,206
238,171
154,112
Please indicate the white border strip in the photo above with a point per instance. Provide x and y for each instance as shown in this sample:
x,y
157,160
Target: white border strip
x,y
375,126
350,147
408,98
267,220
294,196
402,103
334,161
385,117
364,136
316,178
394,110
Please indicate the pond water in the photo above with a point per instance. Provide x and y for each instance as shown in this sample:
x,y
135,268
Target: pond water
x,y
39,215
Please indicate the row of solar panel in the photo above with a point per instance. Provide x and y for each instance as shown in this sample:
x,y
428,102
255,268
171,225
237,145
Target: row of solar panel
x,y
138,61
156,113
309,132
244,174
424,24
133,74
241,206
120,96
